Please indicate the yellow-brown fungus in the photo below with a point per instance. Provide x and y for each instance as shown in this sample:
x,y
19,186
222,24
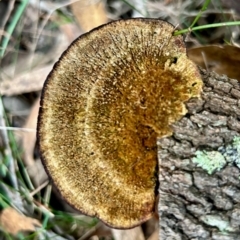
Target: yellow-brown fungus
x,y
111,94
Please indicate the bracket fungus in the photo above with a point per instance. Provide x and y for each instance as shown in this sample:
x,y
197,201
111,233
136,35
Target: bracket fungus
x,y
113,92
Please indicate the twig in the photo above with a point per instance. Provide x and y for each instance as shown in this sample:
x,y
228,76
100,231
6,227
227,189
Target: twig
x,y
47,195
17,129
90,232
6,17
7,149
39,188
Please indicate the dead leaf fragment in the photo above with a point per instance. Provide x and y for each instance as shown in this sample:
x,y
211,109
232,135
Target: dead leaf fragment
x,y
13,222
89,14
220,59
155,235
134,234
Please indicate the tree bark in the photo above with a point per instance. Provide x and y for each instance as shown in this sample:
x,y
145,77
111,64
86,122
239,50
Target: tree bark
x,y
197,202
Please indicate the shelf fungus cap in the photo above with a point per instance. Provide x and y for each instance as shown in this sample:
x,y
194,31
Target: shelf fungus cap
x,y
113,92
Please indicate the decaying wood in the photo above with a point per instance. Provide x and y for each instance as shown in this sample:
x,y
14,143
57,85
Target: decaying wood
x,y
194,204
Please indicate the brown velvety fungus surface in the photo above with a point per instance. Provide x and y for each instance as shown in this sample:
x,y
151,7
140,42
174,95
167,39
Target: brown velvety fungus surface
x,y
111,94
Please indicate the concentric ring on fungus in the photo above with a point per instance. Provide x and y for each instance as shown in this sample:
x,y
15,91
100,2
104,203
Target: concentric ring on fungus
x,y
112,93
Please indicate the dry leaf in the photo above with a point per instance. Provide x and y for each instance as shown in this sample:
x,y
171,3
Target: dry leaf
x,y
26,80
155,235
89,14
13,222
133,234
220,59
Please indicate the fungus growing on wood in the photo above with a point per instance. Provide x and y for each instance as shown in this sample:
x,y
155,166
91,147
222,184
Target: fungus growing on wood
x,y
112,93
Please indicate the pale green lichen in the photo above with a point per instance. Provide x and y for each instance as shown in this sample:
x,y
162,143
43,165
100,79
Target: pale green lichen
x,y
236,142
210,161
216,221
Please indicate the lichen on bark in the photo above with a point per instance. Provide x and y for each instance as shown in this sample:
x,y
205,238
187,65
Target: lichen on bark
x,y
212,161
192,202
